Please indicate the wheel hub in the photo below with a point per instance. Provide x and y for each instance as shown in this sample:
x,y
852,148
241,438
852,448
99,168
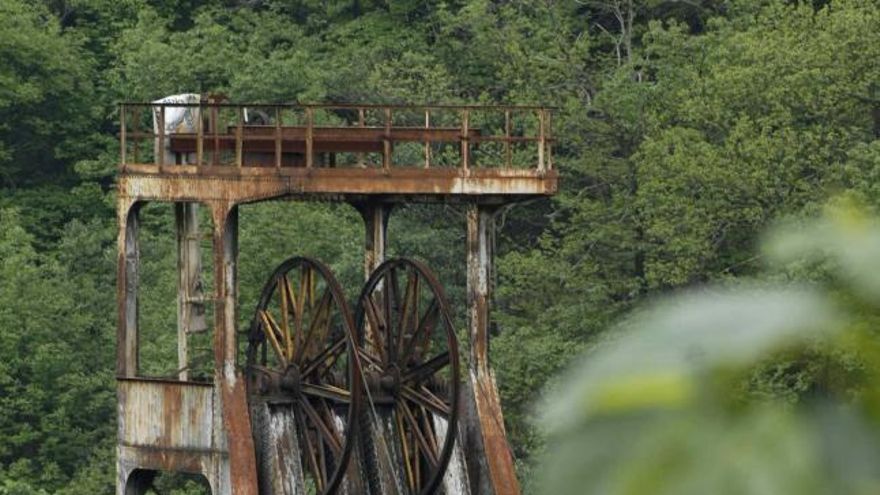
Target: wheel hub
x,y
291,381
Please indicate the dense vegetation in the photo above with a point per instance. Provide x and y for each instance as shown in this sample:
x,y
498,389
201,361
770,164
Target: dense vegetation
x,y
685,128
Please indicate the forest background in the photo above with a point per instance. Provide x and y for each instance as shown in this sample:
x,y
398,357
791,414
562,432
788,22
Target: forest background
x,y
684,128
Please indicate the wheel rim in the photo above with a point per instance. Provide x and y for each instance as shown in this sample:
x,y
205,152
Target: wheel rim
x,y
300,356
408,351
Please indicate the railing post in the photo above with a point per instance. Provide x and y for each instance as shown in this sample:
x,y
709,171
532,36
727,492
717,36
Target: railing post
x,y
161,150
200,137
508,156
549,138
239,135
215,125
122,140
464,139
278,137
309,136
386,141
427,136
136,118
541,140
361,123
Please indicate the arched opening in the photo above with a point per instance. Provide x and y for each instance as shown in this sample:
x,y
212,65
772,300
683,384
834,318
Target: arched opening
x,y
149,482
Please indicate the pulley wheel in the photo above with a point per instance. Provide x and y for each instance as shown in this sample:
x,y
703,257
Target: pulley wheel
x,y
408,353
300,368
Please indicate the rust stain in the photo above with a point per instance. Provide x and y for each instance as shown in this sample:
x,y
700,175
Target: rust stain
x,y
499,459
338,184
160,413
498,455
236,421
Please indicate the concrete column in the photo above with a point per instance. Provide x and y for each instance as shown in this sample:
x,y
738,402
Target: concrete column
x,y
485,406
127,288
240,469
375,217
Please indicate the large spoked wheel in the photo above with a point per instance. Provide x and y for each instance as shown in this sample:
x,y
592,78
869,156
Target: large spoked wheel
x,y
300,366
408,352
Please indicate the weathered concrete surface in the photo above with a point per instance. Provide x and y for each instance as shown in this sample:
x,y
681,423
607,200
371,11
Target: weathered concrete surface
x,y
455,480
242,185
492,443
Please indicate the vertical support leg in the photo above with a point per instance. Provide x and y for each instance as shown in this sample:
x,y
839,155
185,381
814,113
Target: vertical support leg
x,y
127,288
190,308
492,439
240,469
375,217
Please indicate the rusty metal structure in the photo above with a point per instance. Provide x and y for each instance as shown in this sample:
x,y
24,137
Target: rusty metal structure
x,y
370,397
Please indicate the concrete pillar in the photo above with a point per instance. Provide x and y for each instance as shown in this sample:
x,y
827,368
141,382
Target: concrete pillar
x,y
375,217
127,288
490,438
240,470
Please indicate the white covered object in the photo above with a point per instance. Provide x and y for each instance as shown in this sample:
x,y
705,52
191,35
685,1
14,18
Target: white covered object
x,y
177,120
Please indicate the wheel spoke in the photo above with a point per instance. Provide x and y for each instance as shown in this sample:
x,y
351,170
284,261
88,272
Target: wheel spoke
x,y
283,291
427,399
377,327
429,427
371,360
419,435
401,432
332,351
318,319
427,369
327,392
310,451
421,339
300,305
269,331
323,429
392,304
410,303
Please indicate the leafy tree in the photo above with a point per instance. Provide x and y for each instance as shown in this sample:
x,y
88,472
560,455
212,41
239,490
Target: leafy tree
x,y
46,106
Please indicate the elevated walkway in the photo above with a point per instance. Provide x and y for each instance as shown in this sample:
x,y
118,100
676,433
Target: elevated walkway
x,y
253,152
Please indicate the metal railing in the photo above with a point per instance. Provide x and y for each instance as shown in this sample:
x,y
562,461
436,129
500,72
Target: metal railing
x,y
335,135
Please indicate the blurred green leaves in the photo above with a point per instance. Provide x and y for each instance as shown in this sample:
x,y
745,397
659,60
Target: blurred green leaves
x,y
670,404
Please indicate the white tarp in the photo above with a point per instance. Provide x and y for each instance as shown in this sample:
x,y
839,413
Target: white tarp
x,y
177,120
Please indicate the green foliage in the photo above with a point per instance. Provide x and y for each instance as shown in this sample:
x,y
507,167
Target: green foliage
x,y
45,95
56,398
703,392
